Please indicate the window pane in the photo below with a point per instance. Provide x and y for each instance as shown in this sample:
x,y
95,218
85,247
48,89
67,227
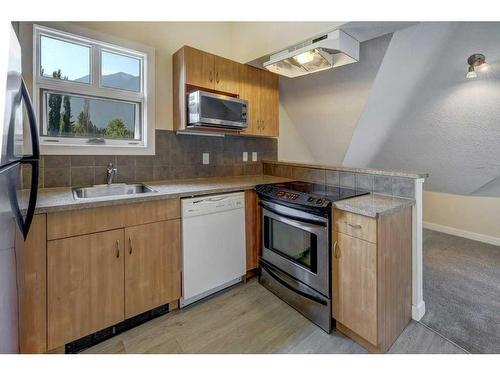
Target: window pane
x,y
120,72
88,117
64,60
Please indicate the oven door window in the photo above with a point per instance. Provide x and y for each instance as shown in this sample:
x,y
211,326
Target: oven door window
x,y
295,244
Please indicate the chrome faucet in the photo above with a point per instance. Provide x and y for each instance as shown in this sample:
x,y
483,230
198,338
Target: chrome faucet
x,y
111,172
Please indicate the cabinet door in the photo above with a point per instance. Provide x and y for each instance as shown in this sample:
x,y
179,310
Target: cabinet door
x,y
226,75
355,285
250,90
269,104
84,285
31,258
152,266
199,67
253,229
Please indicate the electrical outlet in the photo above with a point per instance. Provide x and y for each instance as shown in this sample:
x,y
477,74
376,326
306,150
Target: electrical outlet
x,y
254,156
245,156
206,158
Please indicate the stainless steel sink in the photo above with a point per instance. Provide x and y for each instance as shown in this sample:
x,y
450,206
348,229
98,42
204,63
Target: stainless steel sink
x,y
99,191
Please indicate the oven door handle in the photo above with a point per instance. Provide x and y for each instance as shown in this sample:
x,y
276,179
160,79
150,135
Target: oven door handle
x,y
286,285
295,218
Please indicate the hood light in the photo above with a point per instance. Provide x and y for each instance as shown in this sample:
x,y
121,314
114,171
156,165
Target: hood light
x,y
305,57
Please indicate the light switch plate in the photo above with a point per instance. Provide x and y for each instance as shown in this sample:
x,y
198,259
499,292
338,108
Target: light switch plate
x,y
245,156
206,158
254,156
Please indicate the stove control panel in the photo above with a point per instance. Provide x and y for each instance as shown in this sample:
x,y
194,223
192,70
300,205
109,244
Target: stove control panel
x,y
301,198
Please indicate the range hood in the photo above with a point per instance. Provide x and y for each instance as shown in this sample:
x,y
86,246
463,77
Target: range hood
x,y
327,51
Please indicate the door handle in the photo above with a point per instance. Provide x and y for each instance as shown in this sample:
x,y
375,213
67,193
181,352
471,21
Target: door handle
x,y
117,248
32,123
129,246
293,289
336,250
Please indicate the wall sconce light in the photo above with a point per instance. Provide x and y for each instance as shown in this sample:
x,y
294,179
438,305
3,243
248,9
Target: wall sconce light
x,y
476,61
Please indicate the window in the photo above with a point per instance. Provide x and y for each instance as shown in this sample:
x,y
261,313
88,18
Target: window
x,y
89,93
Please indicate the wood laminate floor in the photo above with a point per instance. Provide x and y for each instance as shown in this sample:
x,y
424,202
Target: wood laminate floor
x,y
250,319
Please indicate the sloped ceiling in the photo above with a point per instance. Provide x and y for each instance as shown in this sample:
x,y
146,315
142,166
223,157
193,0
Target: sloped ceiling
x,y
324,107
406,105
422,114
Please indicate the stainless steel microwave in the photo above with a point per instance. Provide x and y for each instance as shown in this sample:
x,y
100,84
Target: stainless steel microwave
x,y
206,109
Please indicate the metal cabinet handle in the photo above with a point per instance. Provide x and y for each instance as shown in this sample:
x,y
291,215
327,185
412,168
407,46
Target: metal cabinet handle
x,y
129,246
217,77
211,76
356,226
117,248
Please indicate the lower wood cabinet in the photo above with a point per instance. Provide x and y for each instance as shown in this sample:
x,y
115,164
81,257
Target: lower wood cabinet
x,y
371,276
355,278
85,289
152,266
253,235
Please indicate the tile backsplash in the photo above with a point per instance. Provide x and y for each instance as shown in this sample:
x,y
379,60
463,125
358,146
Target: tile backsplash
x,y
177,156
374,182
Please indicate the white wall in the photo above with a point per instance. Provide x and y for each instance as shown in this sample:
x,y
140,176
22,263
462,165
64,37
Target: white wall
x,y
458,213
291,145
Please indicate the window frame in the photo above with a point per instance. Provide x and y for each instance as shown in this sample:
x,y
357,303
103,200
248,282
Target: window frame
x,y
95,89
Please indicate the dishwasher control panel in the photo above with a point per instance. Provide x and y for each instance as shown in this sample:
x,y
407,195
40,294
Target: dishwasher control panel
x,y
212,204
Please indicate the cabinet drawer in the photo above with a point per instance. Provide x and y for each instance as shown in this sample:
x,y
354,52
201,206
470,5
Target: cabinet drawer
x,y
91,220
78,222
152,211
355,225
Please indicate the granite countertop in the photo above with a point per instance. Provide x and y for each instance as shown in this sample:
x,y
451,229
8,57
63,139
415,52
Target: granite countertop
x,y
349,169
61,199
373,205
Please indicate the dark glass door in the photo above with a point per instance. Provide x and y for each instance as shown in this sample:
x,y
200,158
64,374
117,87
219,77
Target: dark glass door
x,y
294,243
220,109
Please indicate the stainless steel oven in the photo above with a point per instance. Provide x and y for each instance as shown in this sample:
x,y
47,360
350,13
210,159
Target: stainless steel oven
x,y
295,261
297,242
206,109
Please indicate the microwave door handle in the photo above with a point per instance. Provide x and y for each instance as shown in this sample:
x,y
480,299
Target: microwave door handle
x,y
35,143
294,218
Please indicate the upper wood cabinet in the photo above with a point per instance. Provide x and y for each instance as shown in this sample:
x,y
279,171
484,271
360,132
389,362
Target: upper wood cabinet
x,y
269,104
194,69
204,70
199,67
226,77
152,266
85,289
261,90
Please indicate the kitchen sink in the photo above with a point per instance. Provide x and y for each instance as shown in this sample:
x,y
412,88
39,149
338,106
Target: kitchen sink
x,y
99,191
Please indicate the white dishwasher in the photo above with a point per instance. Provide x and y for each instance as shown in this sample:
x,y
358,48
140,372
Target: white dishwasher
x,y
213,244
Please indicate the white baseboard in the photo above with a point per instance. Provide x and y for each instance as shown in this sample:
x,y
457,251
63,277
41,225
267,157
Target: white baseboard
x,y
418,311
463,233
